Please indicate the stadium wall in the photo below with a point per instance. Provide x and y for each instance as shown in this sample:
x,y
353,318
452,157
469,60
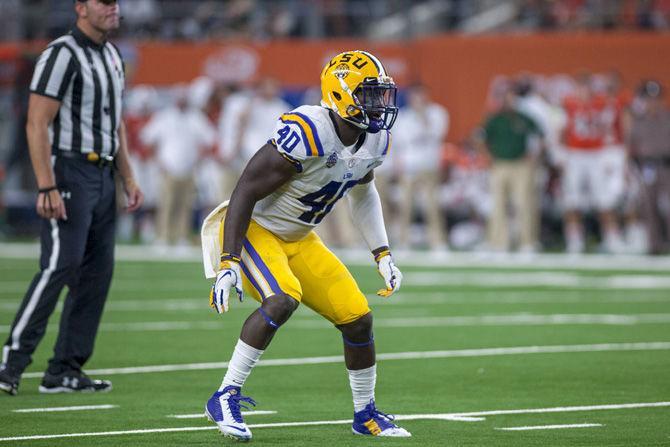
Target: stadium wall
x,y
457,68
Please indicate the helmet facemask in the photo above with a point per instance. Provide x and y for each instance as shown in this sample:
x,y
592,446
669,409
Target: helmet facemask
x,y
374,106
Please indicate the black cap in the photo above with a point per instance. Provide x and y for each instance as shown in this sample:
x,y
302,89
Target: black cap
x,y
650,89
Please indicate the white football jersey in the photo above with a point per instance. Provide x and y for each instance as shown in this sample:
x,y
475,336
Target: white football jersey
x,y
326,171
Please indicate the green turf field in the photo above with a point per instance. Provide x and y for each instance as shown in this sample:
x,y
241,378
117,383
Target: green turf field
x,y
456,361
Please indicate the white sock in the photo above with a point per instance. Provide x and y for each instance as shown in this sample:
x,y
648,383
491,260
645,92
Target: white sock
x,y
241,363
362,383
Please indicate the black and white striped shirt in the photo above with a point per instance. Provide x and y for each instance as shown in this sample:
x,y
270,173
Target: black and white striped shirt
x,y
88,78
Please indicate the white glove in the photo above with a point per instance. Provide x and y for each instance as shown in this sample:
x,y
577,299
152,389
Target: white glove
x,y
228,277
390,273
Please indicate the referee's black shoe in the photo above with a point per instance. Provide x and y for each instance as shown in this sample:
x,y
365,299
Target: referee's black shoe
x,y
9,382
73,381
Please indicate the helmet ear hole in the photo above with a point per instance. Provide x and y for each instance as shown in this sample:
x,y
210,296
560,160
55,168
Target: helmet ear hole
x,y
337,96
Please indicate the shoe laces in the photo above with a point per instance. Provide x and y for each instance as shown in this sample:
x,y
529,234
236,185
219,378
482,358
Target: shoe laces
x,y
385,418
236,402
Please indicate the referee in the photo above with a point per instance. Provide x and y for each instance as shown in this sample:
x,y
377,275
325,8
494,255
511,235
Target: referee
x,y
77,145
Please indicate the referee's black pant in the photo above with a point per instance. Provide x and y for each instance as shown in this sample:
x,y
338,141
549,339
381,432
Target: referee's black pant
x,y
77,252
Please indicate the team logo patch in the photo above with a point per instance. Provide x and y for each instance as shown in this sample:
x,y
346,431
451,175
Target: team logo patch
x,y
351,163
332,160
341,71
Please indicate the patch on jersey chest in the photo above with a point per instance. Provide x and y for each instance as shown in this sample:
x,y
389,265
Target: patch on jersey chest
x,y
332,160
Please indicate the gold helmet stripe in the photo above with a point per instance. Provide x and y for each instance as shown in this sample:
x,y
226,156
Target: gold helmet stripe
x,y
377,62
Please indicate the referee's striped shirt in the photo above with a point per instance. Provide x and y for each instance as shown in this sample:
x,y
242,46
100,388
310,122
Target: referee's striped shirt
x,y
88,78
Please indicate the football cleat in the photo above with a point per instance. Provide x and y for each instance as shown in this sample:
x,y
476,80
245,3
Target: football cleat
x,y
372,422
9,382
73,381
224,408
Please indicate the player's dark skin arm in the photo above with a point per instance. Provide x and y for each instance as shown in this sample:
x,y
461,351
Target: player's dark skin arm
x,y
265,172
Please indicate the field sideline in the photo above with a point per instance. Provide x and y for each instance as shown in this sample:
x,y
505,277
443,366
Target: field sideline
x,y
475,350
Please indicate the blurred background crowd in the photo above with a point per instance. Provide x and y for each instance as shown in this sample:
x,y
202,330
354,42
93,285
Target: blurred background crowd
x,y
267,19
562,160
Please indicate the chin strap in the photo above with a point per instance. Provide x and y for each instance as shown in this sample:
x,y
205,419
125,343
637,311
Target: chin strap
x,y
374,126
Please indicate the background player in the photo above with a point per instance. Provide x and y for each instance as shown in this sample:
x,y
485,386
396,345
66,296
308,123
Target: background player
x,y
317,155
588,180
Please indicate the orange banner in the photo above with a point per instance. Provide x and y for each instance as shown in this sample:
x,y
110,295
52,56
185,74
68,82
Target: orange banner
x,y
457,69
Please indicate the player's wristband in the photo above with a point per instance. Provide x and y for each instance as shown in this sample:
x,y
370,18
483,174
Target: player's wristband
x,y
381,254
228,257
48,189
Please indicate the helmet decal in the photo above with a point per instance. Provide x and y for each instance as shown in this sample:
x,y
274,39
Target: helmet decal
x,y
341,71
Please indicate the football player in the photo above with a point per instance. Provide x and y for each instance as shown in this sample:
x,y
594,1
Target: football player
x,y
591,130
262,242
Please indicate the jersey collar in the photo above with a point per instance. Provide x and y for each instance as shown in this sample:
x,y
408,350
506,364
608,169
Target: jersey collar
x,y
341,147
83,40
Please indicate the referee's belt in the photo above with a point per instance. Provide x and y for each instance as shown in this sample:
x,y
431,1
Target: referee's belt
x,y
91,157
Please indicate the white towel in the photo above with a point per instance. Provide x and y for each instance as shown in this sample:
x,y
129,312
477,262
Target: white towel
x,y
209,235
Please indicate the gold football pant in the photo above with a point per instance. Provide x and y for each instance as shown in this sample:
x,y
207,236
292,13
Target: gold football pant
x,y
305,270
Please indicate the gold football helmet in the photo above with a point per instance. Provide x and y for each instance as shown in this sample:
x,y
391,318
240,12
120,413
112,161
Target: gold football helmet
x,y
354,84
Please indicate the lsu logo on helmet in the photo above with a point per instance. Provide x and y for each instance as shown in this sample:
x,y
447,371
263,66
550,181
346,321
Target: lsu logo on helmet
x,y
354,84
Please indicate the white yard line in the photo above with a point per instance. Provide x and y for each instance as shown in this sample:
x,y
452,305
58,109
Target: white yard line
x,y
445,278
413,299
565,409
106,433
57,409
547,427
535,279
441,416
522,319
202,415
404,257
455,353
506,320
502,296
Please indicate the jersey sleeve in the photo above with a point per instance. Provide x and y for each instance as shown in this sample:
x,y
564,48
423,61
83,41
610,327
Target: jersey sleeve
x,y
296,137
53,72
